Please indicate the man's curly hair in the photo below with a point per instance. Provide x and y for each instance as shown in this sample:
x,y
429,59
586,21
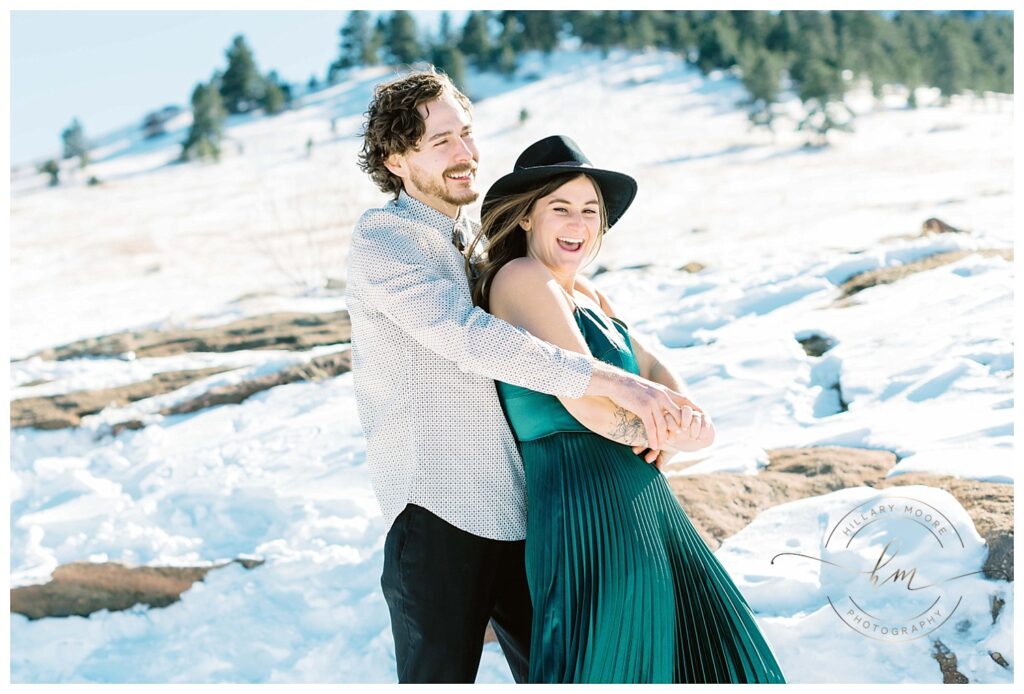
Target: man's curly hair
x,y
394,126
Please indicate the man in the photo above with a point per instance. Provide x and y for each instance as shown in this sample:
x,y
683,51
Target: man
x,y
443,461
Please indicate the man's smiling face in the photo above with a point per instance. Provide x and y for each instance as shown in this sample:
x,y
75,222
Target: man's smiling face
x,y
441,169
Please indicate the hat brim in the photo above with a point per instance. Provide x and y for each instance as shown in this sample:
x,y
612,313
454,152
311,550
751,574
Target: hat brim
x,y
617,189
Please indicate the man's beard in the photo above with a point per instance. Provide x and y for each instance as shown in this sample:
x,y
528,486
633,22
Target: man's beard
x,y
436,187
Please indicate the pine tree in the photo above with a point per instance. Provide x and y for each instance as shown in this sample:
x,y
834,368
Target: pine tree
x,y
950,63
476,39
506,59
273,100
640,30
449,59
401,40
208,116
820,80
241,85
75,144
718,43
761,73
679,32
821,89
52,169
444,31
539,29
356,45
782,33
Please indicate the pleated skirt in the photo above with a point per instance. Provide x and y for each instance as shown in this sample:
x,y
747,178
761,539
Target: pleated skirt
x,y
624,589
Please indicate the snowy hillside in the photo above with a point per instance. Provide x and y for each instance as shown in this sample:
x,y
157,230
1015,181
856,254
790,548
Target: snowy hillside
x,y
920,364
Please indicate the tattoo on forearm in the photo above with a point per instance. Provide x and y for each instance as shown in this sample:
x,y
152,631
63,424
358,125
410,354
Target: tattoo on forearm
x,y
628,428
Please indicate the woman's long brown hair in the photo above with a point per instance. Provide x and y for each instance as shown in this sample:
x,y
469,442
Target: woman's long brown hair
x,y
506,240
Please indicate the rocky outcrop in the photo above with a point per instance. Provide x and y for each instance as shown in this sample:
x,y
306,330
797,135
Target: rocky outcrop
x,y
288,331
292,331
67,409
721,504
82,588
888,275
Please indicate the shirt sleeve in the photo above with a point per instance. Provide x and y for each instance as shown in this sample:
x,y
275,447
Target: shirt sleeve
x,y
392,275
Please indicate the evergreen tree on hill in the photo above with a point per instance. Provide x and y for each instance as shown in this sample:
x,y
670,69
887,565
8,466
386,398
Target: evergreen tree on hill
x,y
993,40
752,27
679,32
75,144
951,61
52,169
208,114
821,89
401,40
444,30
449,59
782,33
538,29
359,42
641,31
476,39
718,43
761,73
241,85
277,95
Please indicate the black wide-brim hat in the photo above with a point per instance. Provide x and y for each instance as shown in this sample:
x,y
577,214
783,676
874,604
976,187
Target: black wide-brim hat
x,y
555,155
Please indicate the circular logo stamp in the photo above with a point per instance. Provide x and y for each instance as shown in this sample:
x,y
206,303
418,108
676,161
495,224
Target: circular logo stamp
x,y
890,565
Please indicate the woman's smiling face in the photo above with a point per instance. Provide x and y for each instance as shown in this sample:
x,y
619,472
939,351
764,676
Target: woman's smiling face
x,y
562,227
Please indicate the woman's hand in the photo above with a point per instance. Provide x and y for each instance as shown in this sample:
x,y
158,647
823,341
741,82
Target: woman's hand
x,y
658,458
697,432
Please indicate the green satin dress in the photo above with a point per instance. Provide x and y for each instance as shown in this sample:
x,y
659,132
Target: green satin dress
x,y
624,590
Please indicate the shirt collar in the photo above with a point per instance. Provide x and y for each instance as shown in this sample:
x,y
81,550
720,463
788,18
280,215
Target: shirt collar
x,y
435,219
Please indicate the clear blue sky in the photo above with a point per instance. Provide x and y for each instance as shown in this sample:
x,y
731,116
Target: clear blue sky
x,y
109,68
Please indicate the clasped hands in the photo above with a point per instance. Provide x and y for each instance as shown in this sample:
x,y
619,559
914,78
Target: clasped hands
x,y
693,432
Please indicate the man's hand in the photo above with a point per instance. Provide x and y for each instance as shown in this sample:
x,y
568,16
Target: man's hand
x,y
659,408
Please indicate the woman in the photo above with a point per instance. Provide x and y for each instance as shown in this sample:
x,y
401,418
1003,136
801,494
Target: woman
x,y
623,587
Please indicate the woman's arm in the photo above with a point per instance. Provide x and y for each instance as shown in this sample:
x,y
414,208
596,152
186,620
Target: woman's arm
x,y
525,294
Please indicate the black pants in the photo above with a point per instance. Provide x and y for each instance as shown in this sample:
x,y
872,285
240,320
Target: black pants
x,y
442,585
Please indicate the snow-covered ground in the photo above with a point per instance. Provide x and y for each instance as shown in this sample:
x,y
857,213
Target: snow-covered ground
x,y
925,364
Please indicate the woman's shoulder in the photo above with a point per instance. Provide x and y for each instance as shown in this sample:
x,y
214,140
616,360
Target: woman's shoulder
x,y
519,274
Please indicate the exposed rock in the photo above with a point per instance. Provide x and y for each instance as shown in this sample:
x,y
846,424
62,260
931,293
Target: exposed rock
x,y
998,657
721,504
692,267
82,588
888,275
67,409
294,331
990,506
997,607
325,366
947,664
275,331
816,345
937,226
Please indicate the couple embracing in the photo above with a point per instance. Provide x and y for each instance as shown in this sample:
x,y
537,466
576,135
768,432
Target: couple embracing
x,y
515,426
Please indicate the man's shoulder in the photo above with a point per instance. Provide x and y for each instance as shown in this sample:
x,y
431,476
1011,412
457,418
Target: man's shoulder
x,y
377,219
392,221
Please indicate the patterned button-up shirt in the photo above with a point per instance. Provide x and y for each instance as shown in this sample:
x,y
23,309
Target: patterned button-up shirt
x,y
424,362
